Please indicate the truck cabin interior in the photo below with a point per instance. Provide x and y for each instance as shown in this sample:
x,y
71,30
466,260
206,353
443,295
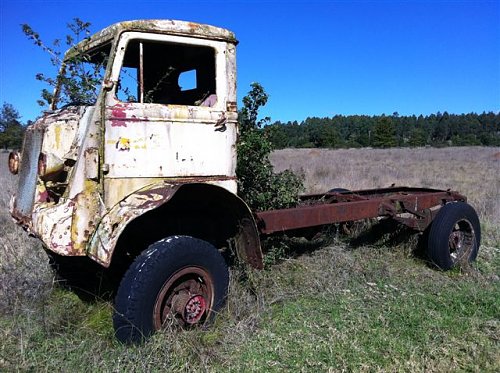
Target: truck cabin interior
x,y
170,73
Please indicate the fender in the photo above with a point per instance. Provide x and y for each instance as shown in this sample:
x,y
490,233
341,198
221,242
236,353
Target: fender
x,y
151,197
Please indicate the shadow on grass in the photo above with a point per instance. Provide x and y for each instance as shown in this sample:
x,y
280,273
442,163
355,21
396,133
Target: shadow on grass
x,y
388,232
93,283
383,233
84,277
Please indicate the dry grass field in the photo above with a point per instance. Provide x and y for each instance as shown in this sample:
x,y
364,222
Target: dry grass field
x,y
24,274
473,171
340,307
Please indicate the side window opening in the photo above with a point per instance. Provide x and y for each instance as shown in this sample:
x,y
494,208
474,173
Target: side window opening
x,y
168,73
187,80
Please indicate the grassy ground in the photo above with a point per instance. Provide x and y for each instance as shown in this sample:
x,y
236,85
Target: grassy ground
x,y
340,307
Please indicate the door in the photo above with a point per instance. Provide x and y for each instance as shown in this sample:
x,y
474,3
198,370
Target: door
x,y
166,115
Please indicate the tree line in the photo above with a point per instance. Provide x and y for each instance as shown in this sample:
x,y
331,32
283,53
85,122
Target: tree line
x,y
11,128
383,131
352,131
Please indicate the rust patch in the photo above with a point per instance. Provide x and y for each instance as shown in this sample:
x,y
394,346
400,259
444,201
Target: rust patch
x,y
389,202
249,244
112,225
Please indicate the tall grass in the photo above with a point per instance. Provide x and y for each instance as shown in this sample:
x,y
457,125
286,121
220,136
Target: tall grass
x,y
24,275
474,171
342,307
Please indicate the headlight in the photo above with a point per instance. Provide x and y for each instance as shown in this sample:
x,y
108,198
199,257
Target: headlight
x,y
14,160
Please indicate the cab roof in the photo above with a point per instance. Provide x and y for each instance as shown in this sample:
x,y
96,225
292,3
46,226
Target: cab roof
x,y
161,26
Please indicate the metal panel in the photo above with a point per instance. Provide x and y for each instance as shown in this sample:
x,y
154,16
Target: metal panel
x,y
344,207
25,196
147,140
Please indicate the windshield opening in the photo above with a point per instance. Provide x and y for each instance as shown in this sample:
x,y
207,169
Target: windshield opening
x,y
80,77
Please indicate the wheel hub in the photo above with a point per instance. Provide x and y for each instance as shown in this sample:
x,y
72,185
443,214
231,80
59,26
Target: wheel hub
x,y
190,308
186,298
461,240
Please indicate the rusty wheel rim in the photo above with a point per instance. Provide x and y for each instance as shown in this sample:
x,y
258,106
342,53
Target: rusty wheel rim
x,y
186,299
461,241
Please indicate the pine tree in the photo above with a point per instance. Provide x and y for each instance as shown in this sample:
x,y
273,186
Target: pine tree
x,y
11,129
384,133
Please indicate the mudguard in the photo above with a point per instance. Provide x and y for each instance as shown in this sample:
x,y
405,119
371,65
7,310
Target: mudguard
x,y
114,223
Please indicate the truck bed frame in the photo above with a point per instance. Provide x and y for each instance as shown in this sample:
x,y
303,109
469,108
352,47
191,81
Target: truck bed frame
x,y
413,207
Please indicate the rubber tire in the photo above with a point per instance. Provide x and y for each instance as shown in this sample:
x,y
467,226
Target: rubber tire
x,y
338,190
139,288
438,249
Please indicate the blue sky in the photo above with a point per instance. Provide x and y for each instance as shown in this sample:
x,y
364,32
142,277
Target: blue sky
x,y
314,58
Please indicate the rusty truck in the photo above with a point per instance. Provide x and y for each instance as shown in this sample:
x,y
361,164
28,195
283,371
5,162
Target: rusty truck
x,y
142,180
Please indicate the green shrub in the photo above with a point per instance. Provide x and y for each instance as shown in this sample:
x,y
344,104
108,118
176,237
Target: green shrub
x,y
258,184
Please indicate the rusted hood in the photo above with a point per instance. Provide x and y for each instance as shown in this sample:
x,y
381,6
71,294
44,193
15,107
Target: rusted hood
x,y
49,144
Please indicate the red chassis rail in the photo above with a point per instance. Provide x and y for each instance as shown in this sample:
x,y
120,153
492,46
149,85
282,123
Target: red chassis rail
x,y
413,207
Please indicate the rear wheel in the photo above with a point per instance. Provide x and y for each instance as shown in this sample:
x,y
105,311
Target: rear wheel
x,y
454,236
179,280
338,190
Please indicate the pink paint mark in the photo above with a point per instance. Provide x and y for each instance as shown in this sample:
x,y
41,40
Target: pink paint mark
x,y
43,196
118,116
118,123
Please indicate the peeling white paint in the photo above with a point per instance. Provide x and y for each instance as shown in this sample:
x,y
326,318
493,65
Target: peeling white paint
x,y
105,165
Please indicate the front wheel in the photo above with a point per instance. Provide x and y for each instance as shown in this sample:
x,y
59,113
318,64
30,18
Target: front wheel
x,y
178,280
454,236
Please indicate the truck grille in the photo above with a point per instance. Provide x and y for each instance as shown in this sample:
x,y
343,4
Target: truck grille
x,y
25,197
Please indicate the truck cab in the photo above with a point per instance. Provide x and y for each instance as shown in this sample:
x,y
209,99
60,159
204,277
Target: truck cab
x,y
152,153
